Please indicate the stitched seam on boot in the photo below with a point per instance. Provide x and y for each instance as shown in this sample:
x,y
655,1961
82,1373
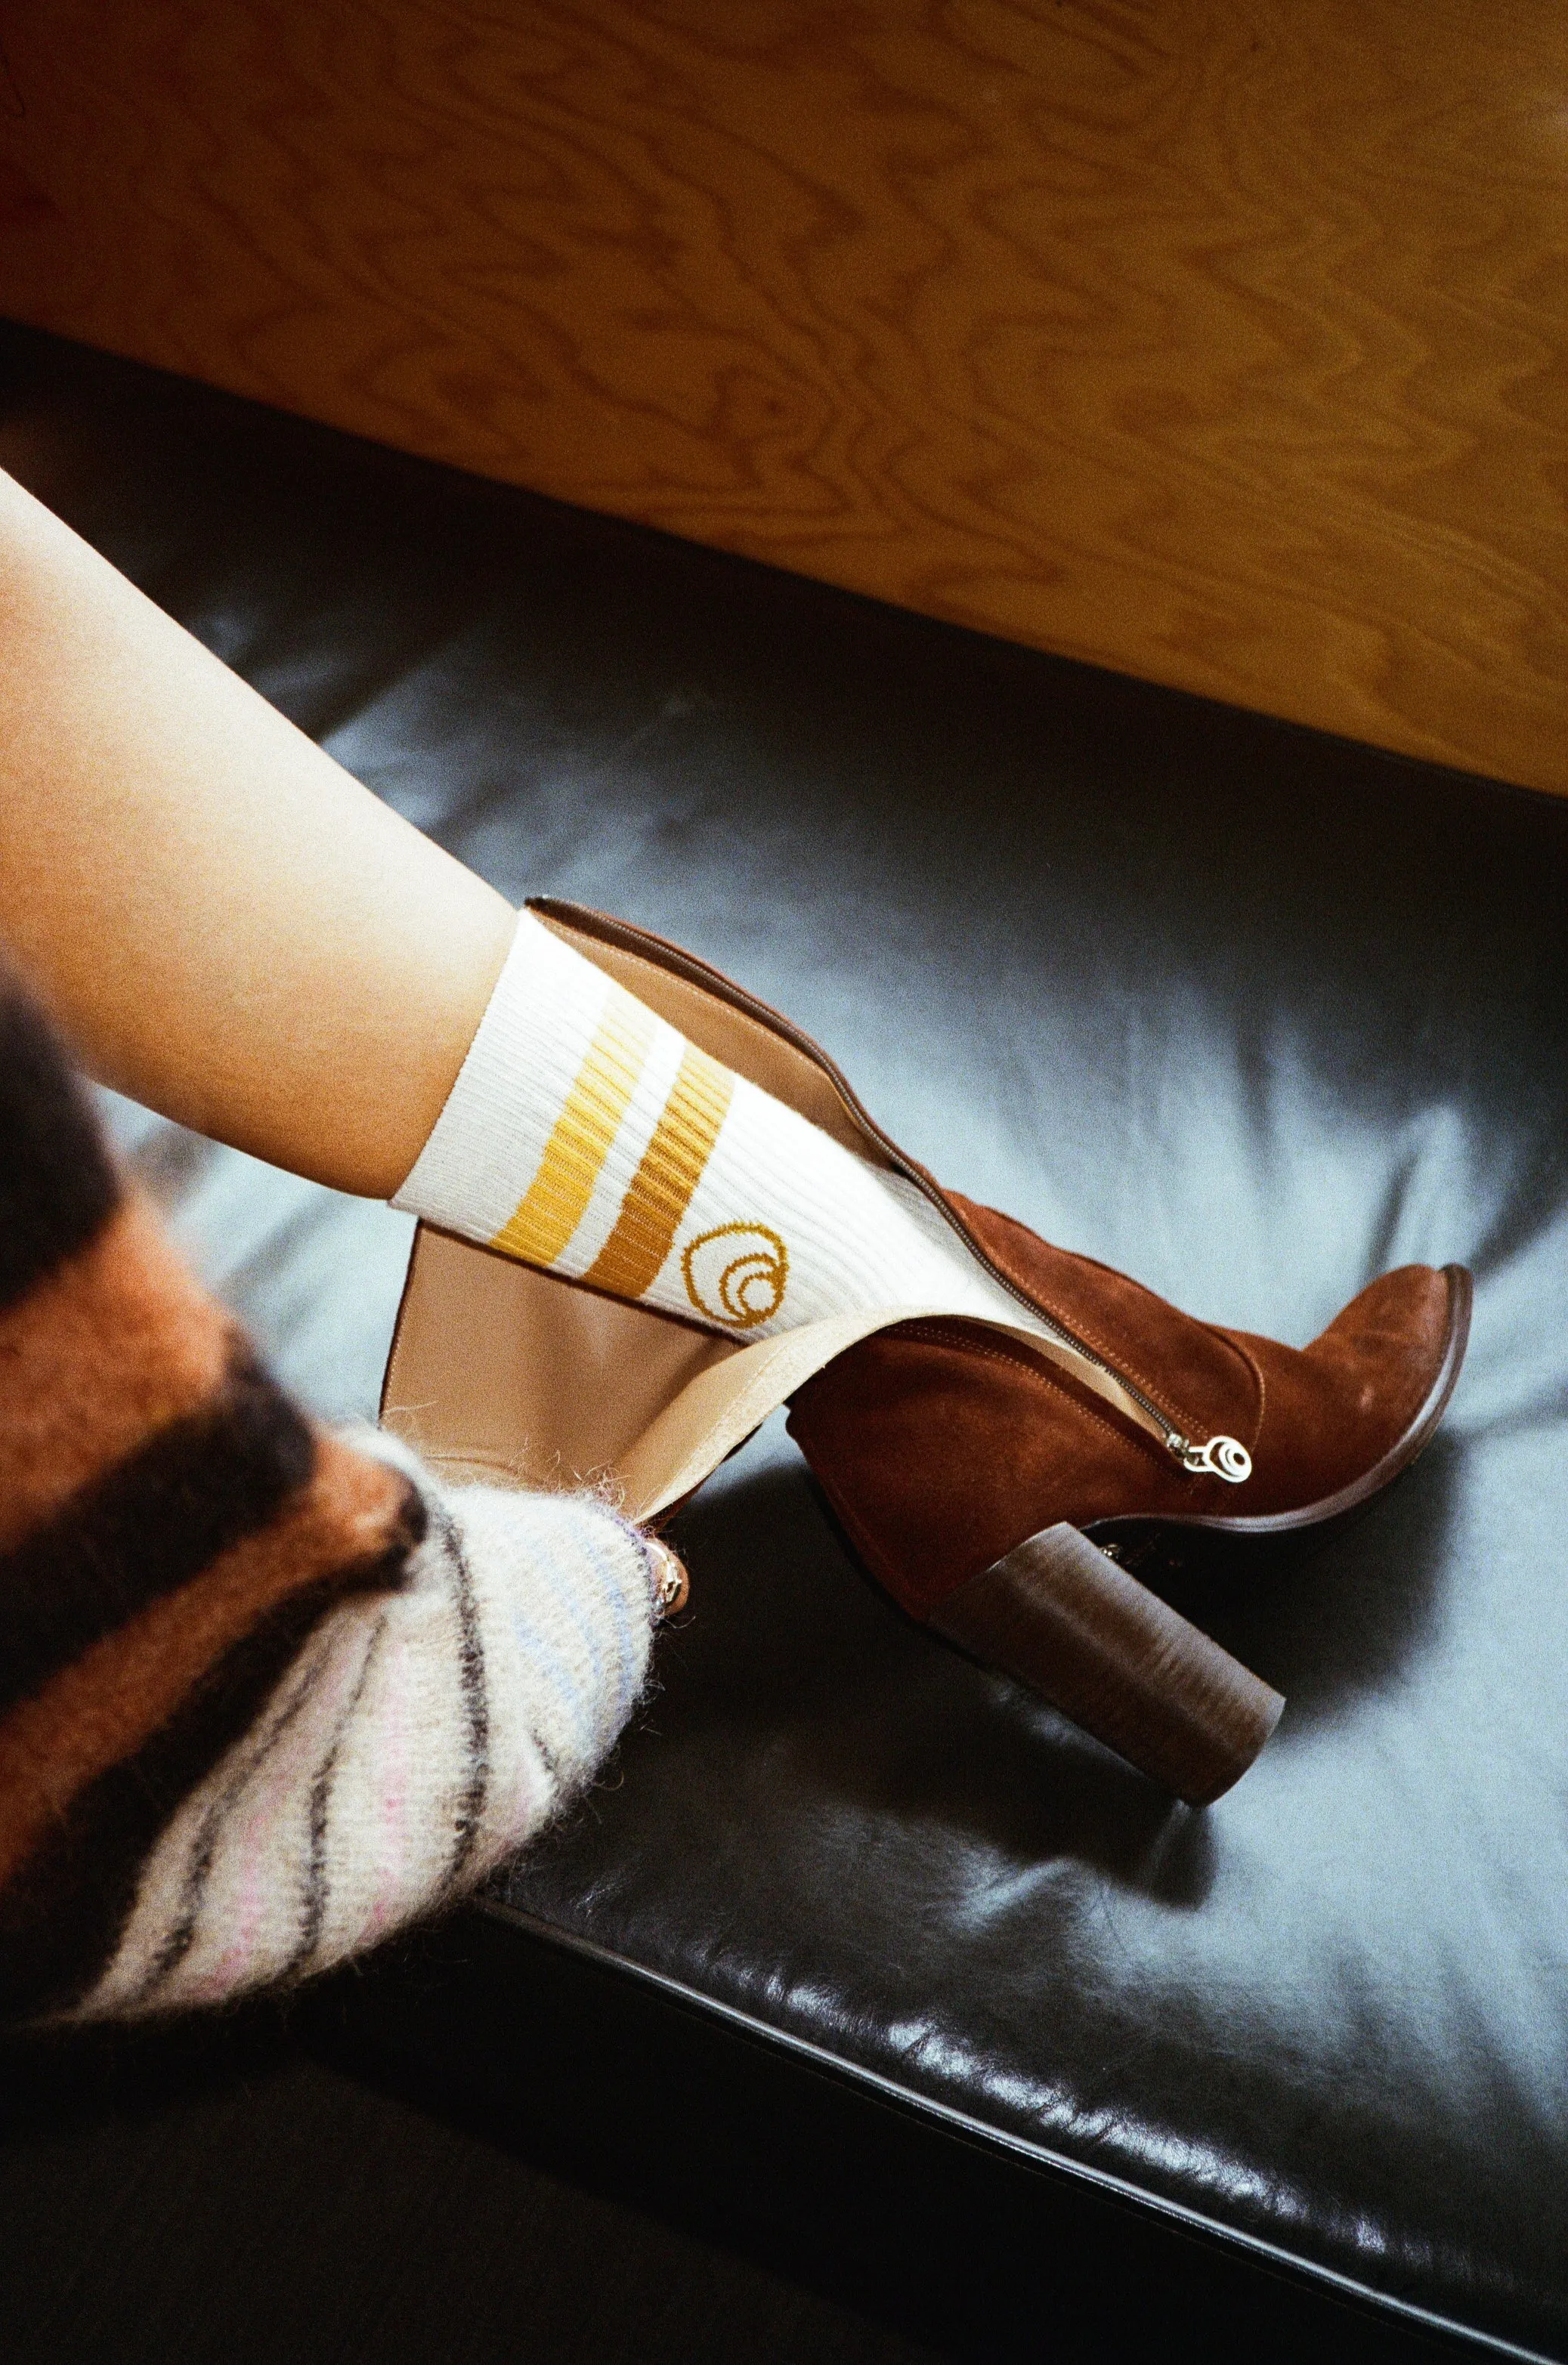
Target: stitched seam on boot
x,y
1113,1353
1262,1397
1151,1387
1131,1435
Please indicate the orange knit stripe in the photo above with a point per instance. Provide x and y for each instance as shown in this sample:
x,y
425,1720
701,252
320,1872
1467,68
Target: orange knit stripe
x,y
557,1198
660,1192
101,1710
106,1350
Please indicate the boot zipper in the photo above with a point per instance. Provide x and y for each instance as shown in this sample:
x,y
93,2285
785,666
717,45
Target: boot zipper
x,y
1222,1457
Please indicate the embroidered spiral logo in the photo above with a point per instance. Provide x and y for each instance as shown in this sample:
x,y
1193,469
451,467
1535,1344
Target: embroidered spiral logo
x,y
736,1274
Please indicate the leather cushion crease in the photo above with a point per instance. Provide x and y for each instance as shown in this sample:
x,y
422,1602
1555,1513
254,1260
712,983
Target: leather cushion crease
x,y
1248,1013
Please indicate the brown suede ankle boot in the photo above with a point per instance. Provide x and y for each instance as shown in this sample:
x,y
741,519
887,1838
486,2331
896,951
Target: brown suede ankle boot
x,y
1261,1439
980,1482
1006,1490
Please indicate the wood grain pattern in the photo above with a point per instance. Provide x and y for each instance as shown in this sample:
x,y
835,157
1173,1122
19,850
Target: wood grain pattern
x,y
1218,340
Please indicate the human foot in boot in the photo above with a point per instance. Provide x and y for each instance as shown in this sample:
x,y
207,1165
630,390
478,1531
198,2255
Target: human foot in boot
x,y
629,1118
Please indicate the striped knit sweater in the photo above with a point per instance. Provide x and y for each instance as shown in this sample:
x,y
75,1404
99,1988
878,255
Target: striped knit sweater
x,y
266,1692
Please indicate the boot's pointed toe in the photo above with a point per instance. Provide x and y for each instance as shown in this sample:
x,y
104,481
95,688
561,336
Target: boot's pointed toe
x,y
1345,1415
941,1445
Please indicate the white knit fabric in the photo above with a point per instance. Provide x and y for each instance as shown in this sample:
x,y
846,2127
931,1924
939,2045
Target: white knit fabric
x,y
421,1736
574,1099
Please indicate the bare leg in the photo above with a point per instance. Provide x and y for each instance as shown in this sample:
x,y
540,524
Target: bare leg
x,y
237,932
228,925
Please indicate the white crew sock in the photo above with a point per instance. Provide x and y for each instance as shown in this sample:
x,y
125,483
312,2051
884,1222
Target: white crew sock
x,y
586,1136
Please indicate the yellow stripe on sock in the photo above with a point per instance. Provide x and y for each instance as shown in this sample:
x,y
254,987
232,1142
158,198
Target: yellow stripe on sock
x,y
556,1200
671,1167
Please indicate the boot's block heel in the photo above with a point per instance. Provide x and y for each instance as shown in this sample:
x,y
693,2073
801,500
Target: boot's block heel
x,y
1061,1616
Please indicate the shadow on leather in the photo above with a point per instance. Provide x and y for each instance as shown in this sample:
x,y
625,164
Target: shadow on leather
x,y
1329,1622
792,1650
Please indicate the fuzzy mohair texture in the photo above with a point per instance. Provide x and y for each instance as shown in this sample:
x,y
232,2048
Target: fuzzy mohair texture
x,y
268,1691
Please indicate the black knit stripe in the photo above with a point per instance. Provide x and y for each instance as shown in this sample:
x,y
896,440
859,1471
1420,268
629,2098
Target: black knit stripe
x,y
61,1915
149,1525
313,1909
198,1870
57,1183
473,1681
203,1852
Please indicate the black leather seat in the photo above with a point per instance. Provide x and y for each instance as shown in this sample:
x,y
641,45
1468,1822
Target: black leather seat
x,y
1249,1012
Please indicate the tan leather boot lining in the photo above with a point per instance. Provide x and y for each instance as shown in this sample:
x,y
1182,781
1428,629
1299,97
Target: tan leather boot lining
x,y
716,1027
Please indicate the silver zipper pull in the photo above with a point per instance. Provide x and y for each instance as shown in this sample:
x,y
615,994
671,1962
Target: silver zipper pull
x,y
1222,1457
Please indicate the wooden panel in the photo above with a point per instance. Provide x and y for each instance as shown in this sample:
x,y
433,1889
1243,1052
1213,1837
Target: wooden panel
x,y
1219,341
